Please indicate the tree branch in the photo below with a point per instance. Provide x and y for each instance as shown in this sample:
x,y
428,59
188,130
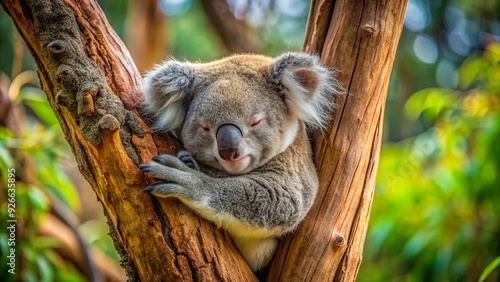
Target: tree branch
x,y
91,84
233,33
359,39
146,33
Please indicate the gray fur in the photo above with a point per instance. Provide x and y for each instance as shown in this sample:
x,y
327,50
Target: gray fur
x,y
312,105
166,86
268,192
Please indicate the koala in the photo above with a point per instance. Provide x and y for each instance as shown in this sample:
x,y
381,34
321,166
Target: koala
x,y
243,121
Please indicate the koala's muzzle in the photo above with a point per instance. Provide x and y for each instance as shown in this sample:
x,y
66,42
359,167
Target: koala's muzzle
x,y
228,142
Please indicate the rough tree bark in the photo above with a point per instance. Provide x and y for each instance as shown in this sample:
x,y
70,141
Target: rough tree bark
x,y
358,38
91,84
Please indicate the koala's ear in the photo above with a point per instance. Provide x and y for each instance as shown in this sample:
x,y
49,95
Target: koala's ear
x,y
308,87
165,88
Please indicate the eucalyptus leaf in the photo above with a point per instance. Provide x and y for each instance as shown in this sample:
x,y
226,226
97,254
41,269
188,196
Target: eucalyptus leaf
x,y
489,269
6,158
46,272
36,100
433,99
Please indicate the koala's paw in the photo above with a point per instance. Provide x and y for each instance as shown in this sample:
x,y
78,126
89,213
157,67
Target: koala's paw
x,y
173,177
188,159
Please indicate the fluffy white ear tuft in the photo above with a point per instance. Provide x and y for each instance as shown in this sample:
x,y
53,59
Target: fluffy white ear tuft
x,y
308,87
165,88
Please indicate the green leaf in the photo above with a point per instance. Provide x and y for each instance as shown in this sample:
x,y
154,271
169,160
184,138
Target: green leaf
x,y
55,181
35,99
469,71
38,199
417,243
29,275
380,233
4,243
64,189
431,100
46,272
487,271
5,157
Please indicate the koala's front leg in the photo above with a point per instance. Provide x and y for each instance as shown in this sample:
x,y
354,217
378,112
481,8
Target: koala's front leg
x,y
253,208
256,205
175,177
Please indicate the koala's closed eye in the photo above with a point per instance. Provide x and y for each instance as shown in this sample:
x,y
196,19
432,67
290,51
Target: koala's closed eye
x,y
256,120
205,126
255,123
243,119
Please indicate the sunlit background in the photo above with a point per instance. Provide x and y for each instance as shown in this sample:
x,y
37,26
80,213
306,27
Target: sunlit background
x,y
435,215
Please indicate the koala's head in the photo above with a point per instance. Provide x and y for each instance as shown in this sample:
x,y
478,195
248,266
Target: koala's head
x,y
238,112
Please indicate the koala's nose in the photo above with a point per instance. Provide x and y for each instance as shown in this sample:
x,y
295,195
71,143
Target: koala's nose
x,y
228,142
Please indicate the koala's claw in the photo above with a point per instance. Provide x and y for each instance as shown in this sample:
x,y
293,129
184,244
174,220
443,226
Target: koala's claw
x,y
164,159
157,159
148,189
188,159
144,167
153,188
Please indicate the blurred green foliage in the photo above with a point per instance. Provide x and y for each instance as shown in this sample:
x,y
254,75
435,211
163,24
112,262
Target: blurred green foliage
x,y
192,38
115,11
489,269
5,42
436,214
437,37
36,152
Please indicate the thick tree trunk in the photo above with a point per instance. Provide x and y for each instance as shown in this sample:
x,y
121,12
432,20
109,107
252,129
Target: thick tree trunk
x,y
81,59
91,84
358,38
